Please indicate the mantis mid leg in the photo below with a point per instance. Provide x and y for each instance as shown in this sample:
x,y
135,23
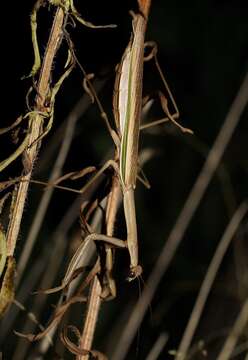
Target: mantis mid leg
x,y
105,267
79,253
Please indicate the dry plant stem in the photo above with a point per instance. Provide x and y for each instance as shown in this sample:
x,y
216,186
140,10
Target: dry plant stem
x,y
144,6
158,347
94,302
237,330
189,208
208,281
93,308
35,127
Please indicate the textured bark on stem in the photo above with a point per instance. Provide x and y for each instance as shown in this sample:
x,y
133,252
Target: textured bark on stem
x,y
35,128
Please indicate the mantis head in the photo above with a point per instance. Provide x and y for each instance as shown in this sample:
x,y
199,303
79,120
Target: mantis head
x,y
135,272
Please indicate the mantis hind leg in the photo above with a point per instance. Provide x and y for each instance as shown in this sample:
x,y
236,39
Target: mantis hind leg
x,y
170,116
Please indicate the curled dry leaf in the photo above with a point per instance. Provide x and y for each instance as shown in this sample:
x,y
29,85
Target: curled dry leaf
x,y
75,349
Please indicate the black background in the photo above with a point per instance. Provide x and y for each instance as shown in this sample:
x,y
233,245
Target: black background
x,y
202,49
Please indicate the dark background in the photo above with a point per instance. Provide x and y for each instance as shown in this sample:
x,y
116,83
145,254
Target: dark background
x,y
202,49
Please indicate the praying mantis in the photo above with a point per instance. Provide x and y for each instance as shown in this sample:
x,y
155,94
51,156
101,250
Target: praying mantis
x,y
127,104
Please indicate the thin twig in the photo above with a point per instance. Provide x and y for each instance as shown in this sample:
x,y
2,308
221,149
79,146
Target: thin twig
x,y
35,127
183,220
209,279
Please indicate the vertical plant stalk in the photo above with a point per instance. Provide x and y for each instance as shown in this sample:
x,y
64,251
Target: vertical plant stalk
x,y
94,301
35,128
209,280
237,330
93,309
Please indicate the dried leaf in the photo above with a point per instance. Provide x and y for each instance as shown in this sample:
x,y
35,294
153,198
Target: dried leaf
x,y
3,250
7,292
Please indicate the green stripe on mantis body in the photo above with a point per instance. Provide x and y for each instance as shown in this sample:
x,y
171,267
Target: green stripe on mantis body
x,y
128,105
125,125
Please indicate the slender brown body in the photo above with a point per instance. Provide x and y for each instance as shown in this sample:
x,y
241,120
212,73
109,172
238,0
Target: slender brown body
x,y
127,108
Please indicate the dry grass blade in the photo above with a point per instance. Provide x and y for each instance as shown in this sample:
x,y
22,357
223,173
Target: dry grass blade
x,y
7,292
209,279
12,126
158,347
190,206
59,313
238,327
31,316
